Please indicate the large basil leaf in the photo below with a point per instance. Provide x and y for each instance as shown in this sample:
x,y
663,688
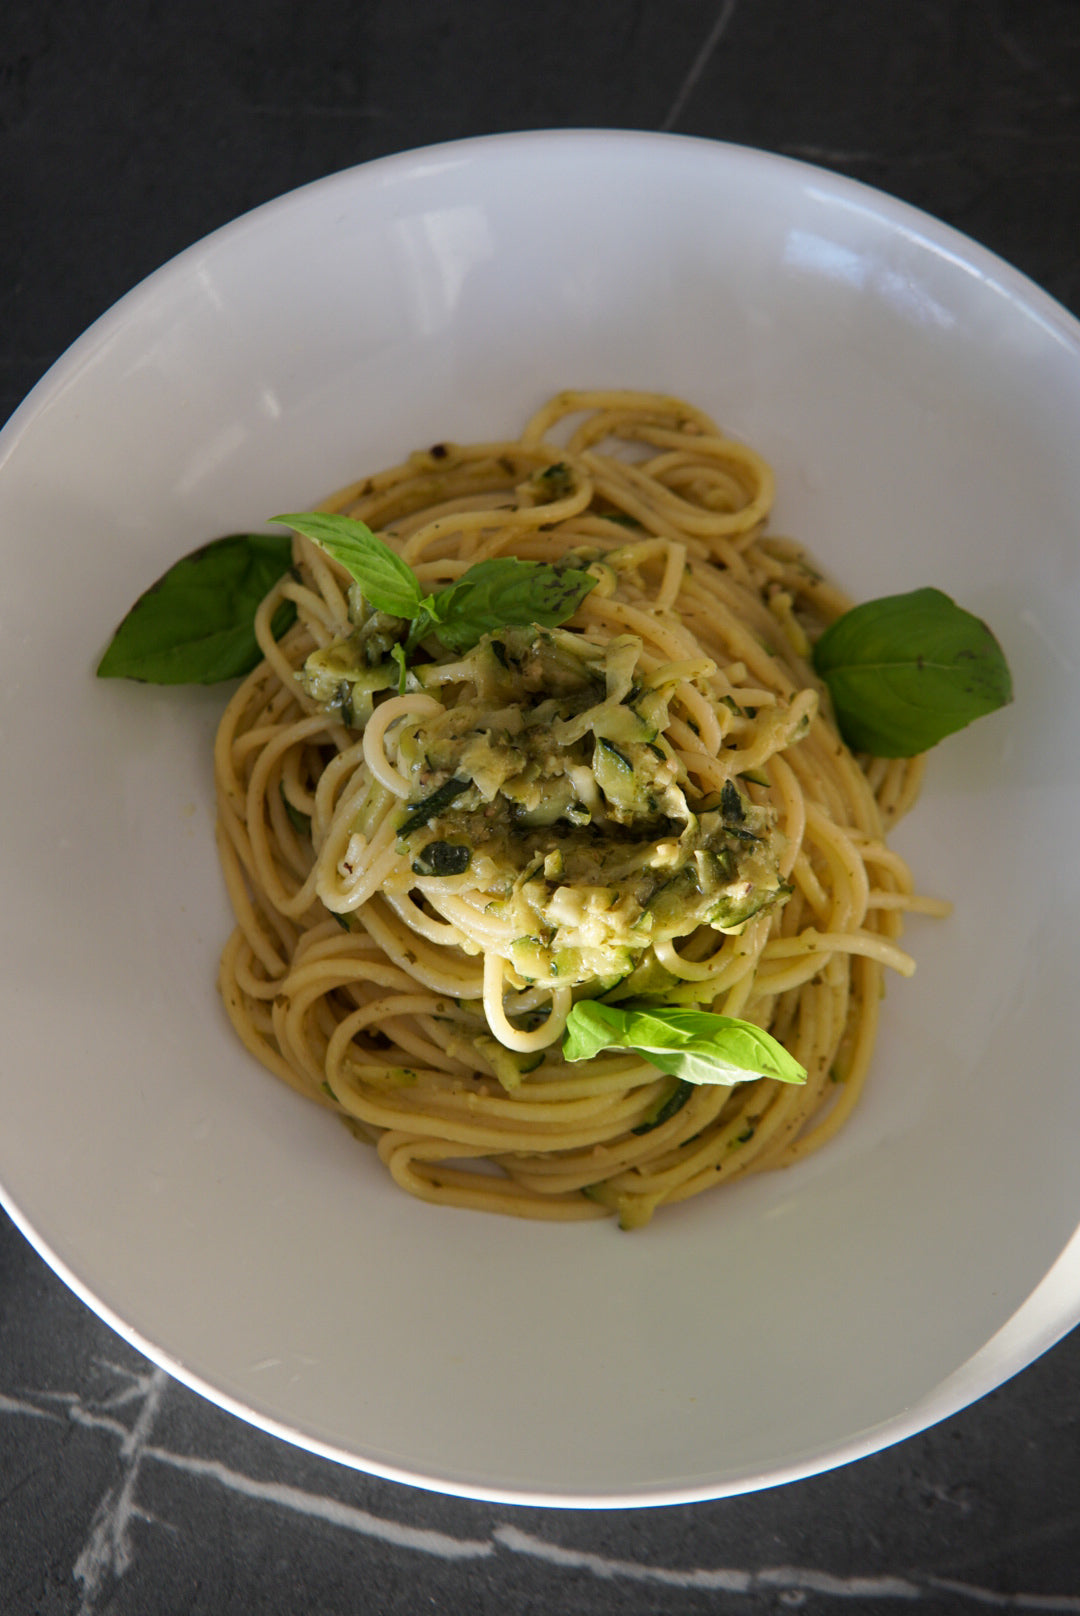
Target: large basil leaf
x,y
907,670
694,1045
195,625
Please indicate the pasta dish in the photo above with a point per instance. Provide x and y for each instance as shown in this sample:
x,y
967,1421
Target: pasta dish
x,y
436,851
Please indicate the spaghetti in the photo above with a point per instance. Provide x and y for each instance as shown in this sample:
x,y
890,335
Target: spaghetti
x,y
650,802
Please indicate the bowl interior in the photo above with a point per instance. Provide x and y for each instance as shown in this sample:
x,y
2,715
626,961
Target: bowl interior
x,y
917,400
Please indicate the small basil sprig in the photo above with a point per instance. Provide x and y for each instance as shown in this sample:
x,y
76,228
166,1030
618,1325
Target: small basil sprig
x,y
196,624
493,594
694,1045
907,670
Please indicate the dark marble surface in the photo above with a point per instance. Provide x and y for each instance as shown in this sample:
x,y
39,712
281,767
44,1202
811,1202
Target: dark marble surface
x,y
127,131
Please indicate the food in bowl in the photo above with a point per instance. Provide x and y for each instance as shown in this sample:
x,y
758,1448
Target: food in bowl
x,y
554,811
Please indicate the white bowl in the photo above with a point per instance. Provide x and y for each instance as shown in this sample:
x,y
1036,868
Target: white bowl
x,y
919,401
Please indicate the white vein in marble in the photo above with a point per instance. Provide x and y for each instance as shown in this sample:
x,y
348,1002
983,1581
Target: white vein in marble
x,y
697,67
109,1550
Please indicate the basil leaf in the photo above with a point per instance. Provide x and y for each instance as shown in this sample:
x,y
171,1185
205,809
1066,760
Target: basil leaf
x,y
907,670
389,584
504,592
694,1045
195,625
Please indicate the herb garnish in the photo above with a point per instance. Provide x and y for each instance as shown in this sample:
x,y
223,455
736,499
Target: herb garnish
x,y
490,595
907,670
196,624
693,1045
